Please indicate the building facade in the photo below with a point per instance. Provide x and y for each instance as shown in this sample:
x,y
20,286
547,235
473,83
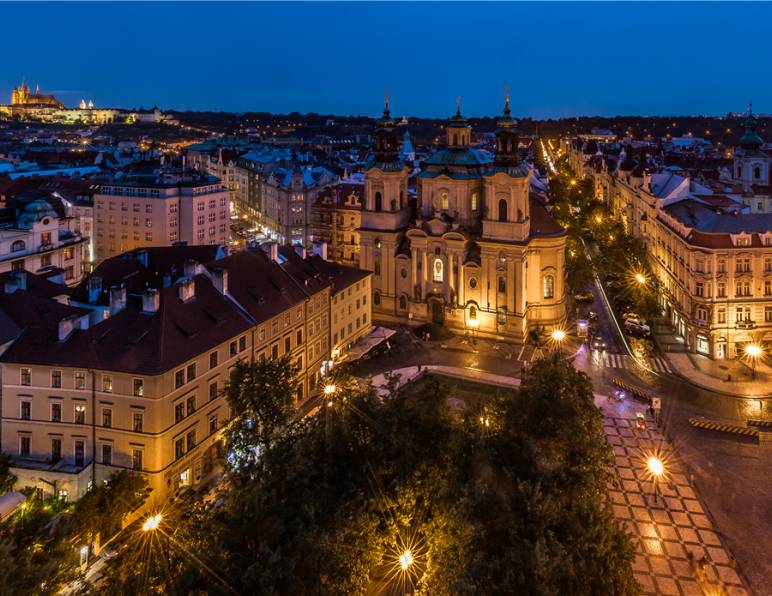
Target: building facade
x,y
710,251
159,211
335,220
480,255
41,241
130,372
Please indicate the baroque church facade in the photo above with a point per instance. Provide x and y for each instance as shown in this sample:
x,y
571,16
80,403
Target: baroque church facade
x,y
480,254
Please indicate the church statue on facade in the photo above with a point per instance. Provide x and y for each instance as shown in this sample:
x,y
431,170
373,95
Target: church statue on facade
x,y
479,254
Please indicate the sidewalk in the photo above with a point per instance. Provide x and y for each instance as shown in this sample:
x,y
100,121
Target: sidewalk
x,y
712,374
678,551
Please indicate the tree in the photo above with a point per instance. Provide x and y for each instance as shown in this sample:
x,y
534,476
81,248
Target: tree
x,y
7,480
261,395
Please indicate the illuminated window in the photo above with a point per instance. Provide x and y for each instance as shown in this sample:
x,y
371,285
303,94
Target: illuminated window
x,y
549,287
475,201
437,271
444,201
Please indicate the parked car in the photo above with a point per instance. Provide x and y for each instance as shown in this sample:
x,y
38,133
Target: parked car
x,y
584,297
592,316
628,314
598,343
637,329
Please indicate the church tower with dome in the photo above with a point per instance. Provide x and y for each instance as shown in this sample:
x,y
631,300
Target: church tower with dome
x,y
482,255
751,165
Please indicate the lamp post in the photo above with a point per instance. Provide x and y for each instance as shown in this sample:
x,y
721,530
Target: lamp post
x,y
753,351
474,325
151,523
656,468
329,391
558,337
640,278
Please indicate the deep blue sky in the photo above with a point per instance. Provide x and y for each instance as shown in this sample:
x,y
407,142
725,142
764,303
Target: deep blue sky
x,y
558,59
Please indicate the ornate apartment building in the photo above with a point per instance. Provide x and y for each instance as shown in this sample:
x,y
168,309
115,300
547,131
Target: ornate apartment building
x,y
335,220
710,248
128,371
481,254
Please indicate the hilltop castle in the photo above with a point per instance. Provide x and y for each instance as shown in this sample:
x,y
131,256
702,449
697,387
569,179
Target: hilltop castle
x,y
21,96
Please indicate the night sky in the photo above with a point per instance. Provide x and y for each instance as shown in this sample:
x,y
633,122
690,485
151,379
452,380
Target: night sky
x,y
558,59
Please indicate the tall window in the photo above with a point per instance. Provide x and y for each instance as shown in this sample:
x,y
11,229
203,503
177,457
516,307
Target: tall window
x,y
437,271
757,172
502,210
17,246
472,313
378,201
501,316
403,302
502,284
475,201
444,203
549,287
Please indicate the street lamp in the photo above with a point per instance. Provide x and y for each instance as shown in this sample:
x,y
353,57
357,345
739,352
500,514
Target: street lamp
x,y
640,278
406,560
656,468
151,523
753,351
558,337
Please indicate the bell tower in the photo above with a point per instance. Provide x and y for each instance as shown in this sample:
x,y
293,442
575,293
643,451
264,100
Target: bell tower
x,y
751,165
458,130
506,185
384,213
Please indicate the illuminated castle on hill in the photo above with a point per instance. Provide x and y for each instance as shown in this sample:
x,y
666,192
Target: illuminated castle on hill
x,y
21,96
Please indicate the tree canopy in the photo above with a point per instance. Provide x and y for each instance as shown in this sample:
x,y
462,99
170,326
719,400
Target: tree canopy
x,y
402,494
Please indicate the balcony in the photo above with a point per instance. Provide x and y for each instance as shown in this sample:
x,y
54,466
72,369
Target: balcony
x,y
745,325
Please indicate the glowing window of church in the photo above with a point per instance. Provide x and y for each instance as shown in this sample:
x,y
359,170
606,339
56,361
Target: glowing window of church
x,y
474,201
444,201
472,313
437,274
549,287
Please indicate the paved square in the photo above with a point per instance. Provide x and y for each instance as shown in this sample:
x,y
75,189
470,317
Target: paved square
x,y
678,551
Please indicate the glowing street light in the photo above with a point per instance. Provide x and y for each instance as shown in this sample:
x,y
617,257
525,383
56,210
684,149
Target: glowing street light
x,y
753,351
656,468
558,335
406,560
640,278
151,523
329,389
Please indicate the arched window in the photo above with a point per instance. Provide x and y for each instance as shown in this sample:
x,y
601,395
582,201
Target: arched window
x,y
502,284
739,171
549,287
18,246
394,204
437,271
376,297
378,201
377,267
403,302
475,202
502,210
757,172
444,201
501,316
519,215
472,313
455,139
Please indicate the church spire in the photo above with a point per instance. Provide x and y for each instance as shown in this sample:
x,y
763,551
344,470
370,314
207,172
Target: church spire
x,y
507,137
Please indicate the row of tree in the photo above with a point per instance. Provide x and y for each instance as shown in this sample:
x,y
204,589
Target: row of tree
x,y
396,496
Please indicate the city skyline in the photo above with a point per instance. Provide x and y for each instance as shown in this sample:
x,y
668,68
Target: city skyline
x,y
574,60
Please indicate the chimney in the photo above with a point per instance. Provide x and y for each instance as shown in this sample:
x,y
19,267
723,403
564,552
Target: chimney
x,y
191,268
117,299
151,300
186,289
219,277
66,326
94,288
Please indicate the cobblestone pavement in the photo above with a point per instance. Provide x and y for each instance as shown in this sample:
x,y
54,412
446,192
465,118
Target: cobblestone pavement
x,y
678,550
